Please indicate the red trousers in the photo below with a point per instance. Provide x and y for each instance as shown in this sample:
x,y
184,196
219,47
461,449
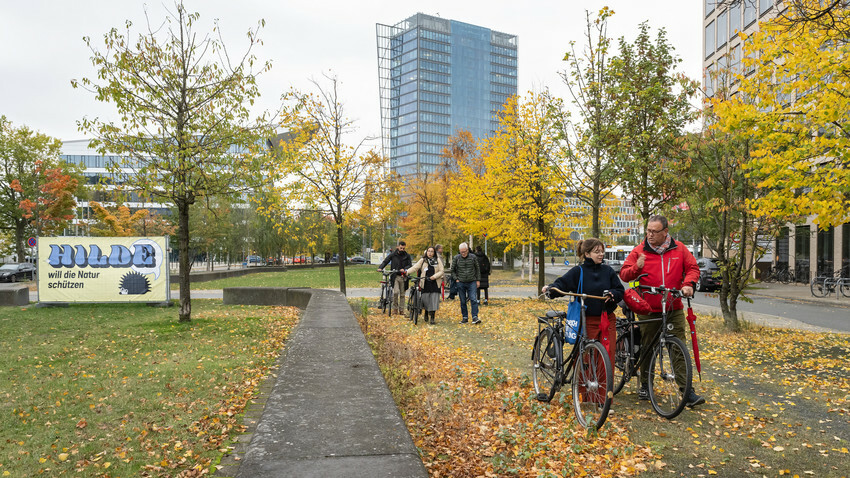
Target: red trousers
x,y
594,332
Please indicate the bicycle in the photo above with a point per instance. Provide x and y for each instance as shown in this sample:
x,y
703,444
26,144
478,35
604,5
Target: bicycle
x,y
386,301
587,368
665,394
414,301
824,286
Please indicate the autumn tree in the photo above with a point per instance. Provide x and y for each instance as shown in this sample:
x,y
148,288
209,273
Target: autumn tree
x,y
426,219
381,207
652,104
718,200
317,164
794,107
120,221
590,174
519,197
184,130
38,190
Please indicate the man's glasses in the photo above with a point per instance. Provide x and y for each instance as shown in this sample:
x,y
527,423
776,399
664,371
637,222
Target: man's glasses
x,y
650,232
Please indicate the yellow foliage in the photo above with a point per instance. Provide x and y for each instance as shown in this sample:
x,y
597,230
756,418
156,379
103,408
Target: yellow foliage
x,y
795,108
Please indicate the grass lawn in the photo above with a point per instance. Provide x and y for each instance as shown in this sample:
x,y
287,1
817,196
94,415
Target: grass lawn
x,y
318,278
778,403
125,390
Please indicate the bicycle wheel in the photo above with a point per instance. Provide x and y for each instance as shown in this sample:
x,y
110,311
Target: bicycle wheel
x,y
665,393
786,276
844,287
417,306
390,301
622,362
593,385
383,303
818,286
545,358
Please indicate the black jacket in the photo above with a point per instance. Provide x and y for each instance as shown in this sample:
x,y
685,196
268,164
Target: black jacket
x,y
465,269
597,278
399,259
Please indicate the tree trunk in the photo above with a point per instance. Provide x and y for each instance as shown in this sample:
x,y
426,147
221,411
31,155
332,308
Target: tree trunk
x,y
185,313
541,277
20,231
522,264
340,241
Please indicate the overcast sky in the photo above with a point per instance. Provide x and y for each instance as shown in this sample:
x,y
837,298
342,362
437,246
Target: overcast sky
x,y
41,46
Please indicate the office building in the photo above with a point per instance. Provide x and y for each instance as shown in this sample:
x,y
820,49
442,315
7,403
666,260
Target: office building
x,y
803,246
437,76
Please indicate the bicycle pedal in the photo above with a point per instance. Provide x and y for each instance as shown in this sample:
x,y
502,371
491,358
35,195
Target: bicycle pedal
x,y
542,397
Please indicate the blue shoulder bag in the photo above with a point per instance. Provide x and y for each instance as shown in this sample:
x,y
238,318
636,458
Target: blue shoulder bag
x,y
574,313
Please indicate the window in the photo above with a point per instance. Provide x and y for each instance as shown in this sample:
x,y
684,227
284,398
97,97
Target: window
x,y
764,6
709,39
709,81
734,20
749,12
709,6
735,63
722,32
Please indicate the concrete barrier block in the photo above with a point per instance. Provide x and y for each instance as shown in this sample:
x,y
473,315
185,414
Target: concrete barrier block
x,y
14,295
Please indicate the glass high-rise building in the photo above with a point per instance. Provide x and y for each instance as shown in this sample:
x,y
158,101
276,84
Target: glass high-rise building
x,y
438,76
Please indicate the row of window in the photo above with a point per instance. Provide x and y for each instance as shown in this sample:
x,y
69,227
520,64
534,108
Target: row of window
x,y
503,60
438,47
434,66
436,56
435,108
728,22
503,89
503,70
504,79
436,77
437,98
442,37
91,160
763,5
500,50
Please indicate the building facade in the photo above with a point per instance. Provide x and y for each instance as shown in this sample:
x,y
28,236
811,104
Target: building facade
x,y
807,249
438,76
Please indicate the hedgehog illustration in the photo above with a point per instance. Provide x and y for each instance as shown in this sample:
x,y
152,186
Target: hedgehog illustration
x,y
134,283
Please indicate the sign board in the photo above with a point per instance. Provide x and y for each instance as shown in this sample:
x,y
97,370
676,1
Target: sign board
x,y
103,269
31,242
376,258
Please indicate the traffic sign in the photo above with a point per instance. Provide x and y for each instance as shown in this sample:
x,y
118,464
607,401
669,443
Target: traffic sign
x,y
31,242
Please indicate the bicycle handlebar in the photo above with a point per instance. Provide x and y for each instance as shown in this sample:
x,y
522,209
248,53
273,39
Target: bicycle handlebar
x,y
583,296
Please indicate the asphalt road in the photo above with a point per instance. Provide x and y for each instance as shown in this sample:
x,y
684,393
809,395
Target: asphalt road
x,y
833,315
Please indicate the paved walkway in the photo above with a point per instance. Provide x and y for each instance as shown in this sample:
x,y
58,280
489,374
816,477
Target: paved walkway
x,y
330,413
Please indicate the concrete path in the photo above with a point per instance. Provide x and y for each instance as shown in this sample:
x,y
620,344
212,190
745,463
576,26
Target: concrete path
x,y
330,413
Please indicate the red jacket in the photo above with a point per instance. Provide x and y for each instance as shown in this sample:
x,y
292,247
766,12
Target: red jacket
x,y
674,268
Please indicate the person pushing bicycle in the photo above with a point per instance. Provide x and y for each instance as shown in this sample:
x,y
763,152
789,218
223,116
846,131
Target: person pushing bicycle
x,y
666,263
400,261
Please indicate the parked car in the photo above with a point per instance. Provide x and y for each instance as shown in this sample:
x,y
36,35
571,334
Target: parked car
x,y
615,264
318,260
709,274
13,272
358,260
253,259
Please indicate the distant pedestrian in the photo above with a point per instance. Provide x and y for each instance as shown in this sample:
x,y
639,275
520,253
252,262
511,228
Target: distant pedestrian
x,y
553,261
431,268
452,282
467,276
484,268
400,261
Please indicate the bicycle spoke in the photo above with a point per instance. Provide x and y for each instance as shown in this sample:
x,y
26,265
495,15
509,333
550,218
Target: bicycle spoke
x,y
545,366
669,377
592,381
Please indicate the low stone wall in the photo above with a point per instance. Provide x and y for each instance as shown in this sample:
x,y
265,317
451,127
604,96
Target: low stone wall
x,y
14,295
288,296
206,276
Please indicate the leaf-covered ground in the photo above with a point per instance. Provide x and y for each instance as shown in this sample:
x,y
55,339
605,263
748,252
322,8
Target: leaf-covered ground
x,y
124,390
778,403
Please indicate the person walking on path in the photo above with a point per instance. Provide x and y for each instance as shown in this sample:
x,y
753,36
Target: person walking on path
x,y
399,260
467,276
594,278
431,268
452,282
553,261
484,268
668,263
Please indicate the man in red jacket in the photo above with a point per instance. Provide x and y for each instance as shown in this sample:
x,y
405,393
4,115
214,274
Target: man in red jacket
x,y
668,263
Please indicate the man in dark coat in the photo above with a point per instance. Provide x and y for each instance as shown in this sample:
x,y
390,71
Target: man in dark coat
x,y
400,261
